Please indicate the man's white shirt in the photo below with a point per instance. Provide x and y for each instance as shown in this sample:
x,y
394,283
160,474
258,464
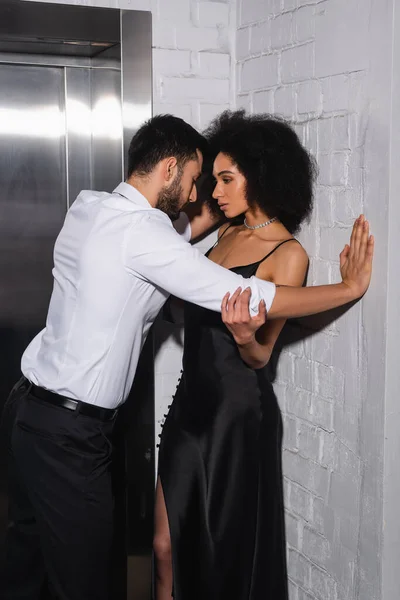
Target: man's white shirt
x,y
116,261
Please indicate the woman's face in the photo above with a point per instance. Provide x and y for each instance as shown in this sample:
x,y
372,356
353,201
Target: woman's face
x,y
230,188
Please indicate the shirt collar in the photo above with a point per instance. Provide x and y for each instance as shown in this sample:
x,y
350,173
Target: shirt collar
x,y
131,193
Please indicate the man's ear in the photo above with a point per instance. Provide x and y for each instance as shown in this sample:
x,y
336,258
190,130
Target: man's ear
x,y
170,168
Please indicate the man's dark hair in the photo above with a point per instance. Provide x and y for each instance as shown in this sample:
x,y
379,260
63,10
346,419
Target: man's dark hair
x,y
161,137
279,171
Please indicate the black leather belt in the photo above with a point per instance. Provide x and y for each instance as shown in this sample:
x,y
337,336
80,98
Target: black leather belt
x,y
90,410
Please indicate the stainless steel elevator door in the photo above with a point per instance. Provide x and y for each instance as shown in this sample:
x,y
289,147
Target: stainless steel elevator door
x,y
32,201
60,132
32,208
93,129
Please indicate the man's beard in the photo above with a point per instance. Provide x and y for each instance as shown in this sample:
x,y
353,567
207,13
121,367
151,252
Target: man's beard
x,y
170,200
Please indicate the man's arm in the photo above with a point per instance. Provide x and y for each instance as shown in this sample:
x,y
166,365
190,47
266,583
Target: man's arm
x,y
155,252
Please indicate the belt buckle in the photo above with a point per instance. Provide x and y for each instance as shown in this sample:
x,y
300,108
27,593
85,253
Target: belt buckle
x,y
70,404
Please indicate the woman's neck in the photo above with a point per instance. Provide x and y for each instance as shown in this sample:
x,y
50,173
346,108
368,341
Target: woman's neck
x,y
256,217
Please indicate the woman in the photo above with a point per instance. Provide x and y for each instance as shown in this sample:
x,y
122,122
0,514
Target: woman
x,y
220,531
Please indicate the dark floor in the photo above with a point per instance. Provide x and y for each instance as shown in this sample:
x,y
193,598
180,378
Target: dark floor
x,y
139,578
139,567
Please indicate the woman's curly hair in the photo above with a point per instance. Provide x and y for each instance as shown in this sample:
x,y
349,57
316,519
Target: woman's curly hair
x,y
279,171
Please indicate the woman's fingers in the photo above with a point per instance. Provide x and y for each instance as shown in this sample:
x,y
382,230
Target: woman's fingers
x,y
358,237
359,244
243,314
353,237
364,241
242,310
245,317
235,309
370,248
224,306
361,250
262,312
232,301
344,255
228,304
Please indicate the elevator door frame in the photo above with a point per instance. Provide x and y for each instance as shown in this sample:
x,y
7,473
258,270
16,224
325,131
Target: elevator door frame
x,y
134,61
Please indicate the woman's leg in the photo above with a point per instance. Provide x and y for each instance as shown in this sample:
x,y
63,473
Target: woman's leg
x,y
162,548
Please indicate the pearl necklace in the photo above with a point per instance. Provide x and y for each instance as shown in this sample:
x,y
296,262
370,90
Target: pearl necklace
x,y
260,225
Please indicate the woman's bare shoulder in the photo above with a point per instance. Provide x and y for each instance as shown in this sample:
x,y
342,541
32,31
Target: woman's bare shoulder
x,y
288,266
293,251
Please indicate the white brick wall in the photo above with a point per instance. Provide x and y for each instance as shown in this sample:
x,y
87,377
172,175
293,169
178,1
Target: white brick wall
x,y
311,62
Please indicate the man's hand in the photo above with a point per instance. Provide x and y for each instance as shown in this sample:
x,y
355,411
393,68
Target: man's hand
x,y
236,316
356,259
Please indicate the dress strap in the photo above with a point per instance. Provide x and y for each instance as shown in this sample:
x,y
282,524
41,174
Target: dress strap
x,y
276,248
221,236
224,232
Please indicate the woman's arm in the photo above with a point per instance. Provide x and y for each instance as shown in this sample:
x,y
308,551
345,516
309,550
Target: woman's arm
x,y
256,345
355,267
202,220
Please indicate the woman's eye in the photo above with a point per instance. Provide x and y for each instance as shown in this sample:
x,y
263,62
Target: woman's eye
x,y
227,180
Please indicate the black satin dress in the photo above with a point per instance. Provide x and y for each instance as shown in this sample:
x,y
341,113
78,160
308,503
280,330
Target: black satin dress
x,y
220,469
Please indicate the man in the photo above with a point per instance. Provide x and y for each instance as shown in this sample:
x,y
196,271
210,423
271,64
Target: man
x,y
116,261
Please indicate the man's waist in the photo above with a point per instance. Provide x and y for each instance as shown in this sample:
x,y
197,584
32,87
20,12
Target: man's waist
x,y
84,385
71,404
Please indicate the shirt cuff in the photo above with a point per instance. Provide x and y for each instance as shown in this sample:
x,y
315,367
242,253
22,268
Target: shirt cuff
x,y
182,226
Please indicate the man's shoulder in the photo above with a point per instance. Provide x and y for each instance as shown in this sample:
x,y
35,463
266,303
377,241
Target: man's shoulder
x,y
88,196
151,222
107,206
107,200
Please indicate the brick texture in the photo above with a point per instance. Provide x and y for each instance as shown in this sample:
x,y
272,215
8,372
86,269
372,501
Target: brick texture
x,y
292,61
